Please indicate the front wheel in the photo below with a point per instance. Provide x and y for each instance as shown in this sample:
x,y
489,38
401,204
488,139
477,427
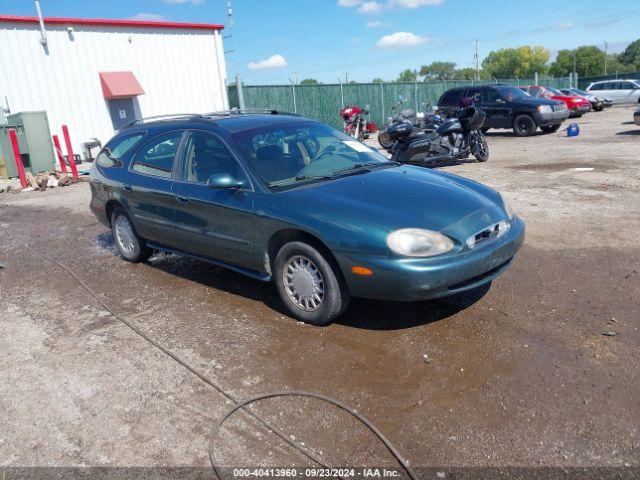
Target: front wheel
x,y
524,126
310,287
384,139
479,147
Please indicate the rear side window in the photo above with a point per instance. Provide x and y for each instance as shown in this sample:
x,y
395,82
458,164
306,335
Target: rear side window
x,y
626,86
113,152
474,94
157,156
452,97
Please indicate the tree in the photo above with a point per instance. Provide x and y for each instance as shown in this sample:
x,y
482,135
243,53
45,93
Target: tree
x,y
438,71
516,62
466,74
309,81
377,80
589,61
631,55
407,75
616,65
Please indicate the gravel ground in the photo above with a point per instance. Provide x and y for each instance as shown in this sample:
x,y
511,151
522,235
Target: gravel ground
x,y
521,373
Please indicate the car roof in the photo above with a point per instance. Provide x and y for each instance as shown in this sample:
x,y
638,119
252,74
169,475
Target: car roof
x,y
616,80
231,120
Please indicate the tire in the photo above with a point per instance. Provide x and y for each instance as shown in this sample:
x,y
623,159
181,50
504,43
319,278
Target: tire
x,y
130,246
479,147
550,128
301,266
524,126
384,139
598,109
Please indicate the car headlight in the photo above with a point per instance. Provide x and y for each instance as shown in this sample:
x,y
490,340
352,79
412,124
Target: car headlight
x,y
544,109
508,207
417,242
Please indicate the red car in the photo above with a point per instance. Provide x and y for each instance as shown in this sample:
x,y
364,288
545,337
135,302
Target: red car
x,y
576,105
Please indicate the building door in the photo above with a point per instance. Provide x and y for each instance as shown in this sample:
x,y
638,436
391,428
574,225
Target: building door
x,y
123,111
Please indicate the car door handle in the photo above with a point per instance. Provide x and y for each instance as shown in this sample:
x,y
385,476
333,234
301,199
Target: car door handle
x,y
182,199
126,188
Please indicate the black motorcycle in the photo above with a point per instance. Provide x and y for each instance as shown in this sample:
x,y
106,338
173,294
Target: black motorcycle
x,y
454,139
422,121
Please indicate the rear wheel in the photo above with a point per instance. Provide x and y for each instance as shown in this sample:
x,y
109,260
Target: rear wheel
x,y
524,126
551,128
130,246
384,139
310,287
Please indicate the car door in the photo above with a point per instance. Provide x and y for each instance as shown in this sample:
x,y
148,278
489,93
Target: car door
x,y
627,92
216,223
609,89
497,109
149,191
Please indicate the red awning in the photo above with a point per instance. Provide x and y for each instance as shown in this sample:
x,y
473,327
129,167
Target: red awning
x,y
119,85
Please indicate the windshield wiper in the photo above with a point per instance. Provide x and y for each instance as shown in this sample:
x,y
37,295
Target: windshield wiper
x,y
362,167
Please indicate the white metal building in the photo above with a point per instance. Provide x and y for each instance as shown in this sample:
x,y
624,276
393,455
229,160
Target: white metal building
x,y
96,75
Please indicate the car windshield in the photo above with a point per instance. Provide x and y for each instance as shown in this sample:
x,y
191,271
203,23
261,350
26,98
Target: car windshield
x,y
579,92
555,91
512,93
288,154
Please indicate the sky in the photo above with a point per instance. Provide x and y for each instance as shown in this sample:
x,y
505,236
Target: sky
x,y
277,41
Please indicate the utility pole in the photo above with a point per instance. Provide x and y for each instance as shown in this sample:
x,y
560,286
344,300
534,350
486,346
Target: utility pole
x,y
346,77
606,52
574,79
477,58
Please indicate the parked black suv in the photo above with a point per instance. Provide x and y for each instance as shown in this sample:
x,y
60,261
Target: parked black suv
x,y
508,107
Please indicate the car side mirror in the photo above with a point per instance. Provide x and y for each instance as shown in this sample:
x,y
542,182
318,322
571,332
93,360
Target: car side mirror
x,y
223,181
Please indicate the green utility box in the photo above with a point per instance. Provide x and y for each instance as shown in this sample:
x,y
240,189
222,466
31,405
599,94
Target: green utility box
x,y
34,140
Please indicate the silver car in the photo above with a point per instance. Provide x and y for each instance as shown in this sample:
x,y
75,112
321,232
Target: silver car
x,y
620,91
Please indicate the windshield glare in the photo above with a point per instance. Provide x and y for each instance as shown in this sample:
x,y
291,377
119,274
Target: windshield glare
x,y
291,153
555,91
512,93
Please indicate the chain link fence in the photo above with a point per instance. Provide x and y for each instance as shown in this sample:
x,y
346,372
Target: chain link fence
x,y
323,101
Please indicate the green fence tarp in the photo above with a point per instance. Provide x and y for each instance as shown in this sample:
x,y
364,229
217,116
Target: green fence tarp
x,y
323,102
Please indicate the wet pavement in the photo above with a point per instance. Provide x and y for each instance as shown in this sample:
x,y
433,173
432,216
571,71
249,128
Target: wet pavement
x,y
520,373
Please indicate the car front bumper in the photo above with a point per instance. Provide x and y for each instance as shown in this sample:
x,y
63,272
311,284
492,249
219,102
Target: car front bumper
x,y
550,118
580,109
415,279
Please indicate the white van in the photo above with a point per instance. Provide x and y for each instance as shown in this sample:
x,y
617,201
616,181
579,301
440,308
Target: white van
x,y
621,90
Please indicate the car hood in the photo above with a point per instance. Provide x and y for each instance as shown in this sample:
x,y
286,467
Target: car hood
x,y
535,101
400,197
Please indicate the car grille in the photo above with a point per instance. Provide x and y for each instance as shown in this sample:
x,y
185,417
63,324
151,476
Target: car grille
x,y
490,233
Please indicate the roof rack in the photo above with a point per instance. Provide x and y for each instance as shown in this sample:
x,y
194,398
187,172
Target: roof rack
x,y
144,120
245,111
219,113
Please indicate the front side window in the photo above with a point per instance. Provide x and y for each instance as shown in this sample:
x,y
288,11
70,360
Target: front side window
x,y
206,155
474,94
597,86
156,157
113,152
287,154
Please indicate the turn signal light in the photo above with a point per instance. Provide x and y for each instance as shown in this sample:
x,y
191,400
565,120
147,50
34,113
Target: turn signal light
x,y
364,271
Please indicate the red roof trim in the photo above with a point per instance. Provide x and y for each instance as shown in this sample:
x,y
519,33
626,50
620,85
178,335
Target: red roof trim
x,y
104,22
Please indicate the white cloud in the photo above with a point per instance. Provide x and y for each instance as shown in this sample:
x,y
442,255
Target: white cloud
x,y
179,2
373,24
349,3
370,7
274,62
401,40
415,3
154,17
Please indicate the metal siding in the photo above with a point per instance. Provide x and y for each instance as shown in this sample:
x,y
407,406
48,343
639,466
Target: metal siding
x,y
181,71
